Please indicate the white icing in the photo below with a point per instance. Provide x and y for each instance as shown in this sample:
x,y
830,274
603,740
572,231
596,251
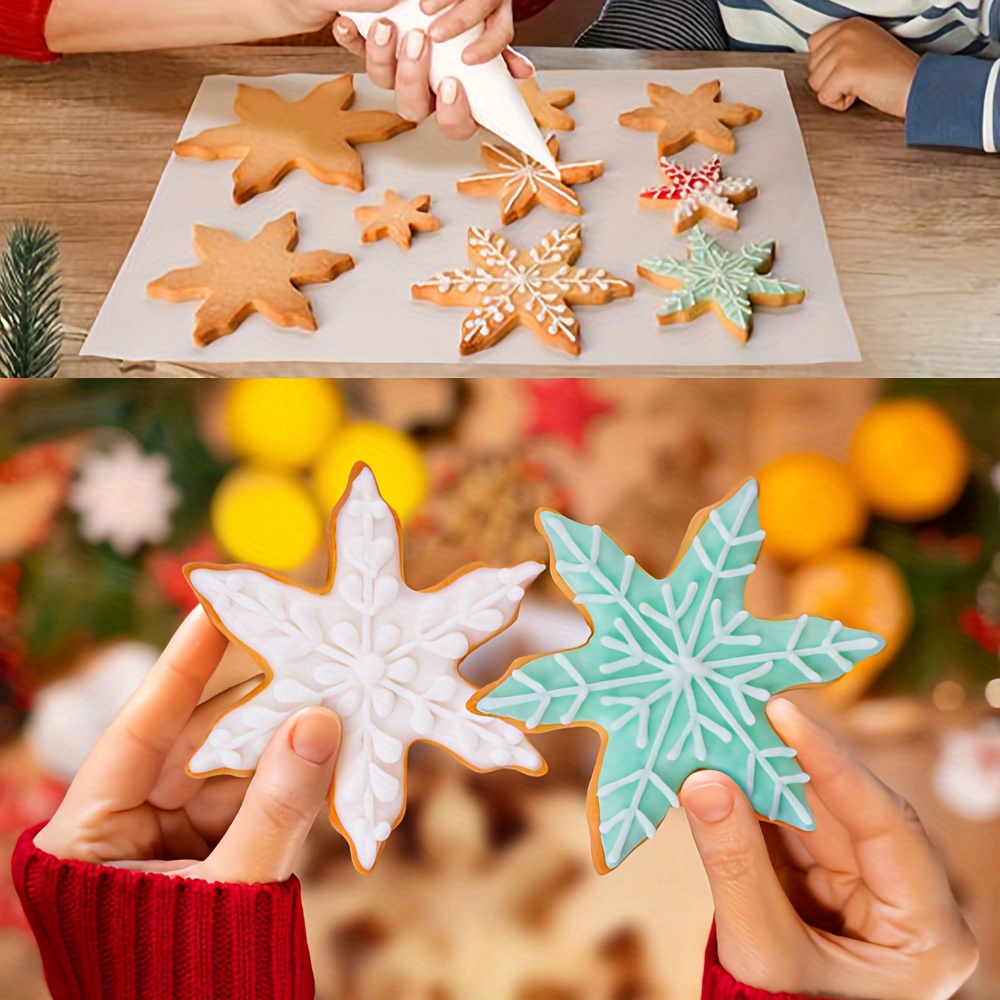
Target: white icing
x,y
701,191
382,656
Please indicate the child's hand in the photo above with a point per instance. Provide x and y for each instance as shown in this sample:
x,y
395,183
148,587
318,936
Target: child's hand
x,y
860,907
403,64
857,60
132,804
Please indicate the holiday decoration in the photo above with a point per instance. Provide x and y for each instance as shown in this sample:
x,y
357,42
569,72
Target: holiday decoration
x,y
266,517
563,409
33,486
697,195
381,655
124,497
809,506
283,423
167,569
676,675
909,459
713,279
509,287
31,332
394,458
967,775
864,590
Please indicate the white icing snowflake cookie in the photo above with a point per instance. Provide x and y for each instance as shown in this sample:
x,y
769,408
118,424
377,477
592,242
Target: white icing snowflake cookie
x,y
382,656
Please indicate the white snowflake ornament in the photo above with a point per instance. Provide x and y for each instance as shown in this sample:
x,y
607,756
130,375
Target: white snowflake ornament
x,y
676,675
124,497
382,656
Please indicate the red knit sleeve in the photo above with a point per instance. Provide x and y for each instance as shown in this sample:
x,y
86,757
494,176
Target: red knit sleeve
x,y
22,30
108,933
717,984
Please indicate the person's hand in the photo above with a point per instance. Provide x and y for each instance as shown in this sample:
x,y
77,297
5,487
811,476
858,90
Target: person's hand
x,y
403,64
856,60
132,805
860,907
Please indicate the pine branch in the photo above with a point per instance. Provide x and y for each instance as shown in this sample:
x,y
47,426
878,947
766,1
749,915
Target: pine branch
x,y
30,328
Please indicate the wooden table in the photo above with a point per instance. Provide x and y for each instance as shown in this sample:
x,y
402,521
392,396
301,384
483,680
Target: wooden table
x,y
914,233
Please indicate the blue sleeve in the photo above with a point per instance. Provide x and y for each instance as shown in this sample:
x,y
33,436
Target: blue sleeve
x,y
954,101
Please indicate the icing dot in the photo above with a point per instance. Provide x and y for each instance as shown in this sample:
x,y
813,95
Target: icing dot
x,y
232,761
512,735
382,832
501,757
370,669
219,737
515,594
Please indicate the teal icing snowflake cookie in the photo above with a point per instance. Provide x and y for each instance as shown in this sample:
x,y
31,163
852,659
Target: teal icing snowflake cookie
x,y
676,675
727,282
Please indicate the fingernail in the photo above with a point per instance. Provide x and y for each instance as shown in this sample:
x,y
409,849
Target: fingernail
x,y
383,32
415,41
315,737
448,92
341,28
711,803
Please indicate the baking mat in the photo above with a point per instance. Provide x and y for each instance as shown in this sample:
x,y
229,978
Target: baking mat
x,y
368,318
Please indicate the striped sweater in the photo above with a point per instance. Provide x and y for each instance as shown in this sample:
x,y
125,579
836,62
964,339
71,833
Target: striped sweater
x,y
955,97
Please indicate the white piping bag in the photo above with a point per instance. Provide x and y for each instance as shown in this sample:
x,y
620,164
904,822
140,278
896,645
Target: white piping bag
x,y
494,97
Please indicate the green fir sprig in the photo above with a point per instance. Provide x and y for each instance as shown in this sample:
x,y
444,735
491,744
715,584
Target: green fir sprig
x,y
30,327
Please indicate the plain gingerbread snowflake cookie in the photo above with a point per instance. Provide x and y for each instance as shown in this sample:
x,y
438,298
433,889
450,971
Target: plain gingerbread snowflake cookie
x,y
676,675
384,657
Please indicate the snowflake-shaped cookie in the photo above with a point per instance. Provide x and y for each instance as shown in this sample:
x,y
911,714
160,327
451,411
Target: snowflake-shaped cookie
x,y
699,194
727,282
676,675
521,183
509,287
382,656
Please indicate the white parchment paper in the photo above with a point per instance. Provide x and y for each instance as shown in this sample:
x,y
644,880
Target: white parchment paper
x,y
368,315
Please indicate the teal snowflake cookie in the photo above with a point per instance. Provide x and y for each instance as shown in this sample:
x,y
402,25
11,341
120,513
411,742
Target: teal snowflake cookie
x,y
727,282
676,675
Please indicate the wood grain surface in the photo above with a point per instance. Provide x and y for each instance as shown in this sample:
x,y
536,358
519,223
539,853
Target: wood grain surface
x,y
83,144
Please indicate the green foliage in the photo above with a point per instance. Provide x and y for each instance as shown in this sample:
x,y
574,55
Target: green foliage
x,y
30,328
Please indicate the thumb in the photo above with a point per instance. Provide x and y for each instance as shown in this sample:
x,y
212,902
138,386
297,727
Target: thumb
x,y
753,914
290,786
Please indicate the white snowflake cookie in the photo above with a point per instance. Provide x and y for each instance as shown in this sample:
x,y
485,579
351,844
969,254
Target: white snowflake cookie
x,y
382,656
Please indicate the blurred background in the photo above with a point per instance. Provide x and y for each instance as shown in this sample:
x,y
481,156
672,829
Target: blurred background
x,y
882,510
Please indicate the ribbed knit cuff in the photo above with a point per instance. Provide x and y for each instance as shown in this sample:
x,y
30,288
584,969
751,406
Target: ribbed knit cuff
x,y
113,934
22,29
718,984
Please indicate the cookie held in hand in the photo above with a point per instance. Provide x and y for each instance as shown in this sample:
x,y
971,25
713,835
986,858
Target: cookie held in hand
x,y
237,278
508,287
684,119
384,657
676,675
276,136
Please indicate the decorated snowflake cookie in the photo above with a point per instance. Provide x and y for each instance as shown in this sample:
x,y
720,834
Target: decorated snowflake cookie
x,y
727,282
699,194
538,288
676,675
382,656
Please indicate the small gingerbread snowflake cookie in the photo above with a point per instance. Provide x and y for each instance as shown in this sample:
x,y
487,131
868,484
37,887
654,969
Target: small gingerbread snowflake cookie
x,y
384,657
676,675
